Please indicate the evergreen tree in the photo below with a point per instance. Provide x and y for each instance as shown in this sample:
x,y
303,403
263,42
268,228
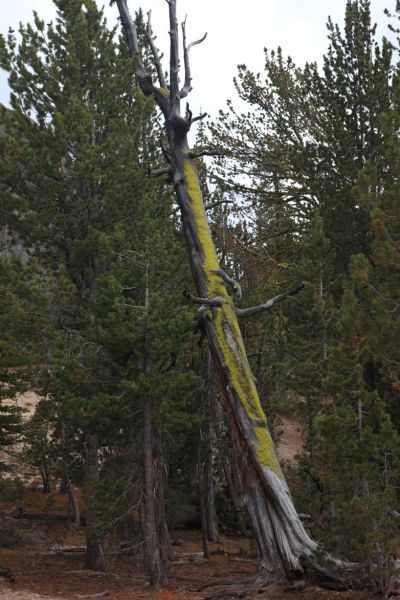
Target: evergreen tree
x,y
78,144
70,153
295,159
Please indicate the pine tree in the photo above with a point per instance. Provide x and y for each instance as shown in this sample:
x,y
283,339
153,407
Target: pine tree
x,y
115,322
70,153
296,158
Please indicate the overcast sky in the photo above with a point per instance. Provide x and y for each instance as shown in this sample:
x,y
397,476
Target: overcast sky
x,y
237,33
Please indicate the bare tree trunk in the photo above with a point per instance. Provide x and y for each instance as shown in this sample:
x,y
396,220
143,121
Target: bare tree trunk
x,y
209,487
205,455
235,492
209,455
153,562
166,549
324,323
94,557
202,510
74,504
67,483
44,471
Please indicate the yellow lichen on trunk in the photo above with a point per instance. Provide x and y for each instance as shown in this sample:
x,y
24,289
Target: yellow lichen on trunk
x,y
164,91
228,332
214,283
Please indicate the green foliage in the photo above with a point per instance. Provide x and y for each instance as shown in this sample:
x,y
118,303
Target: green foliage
x,y
105,254
313,167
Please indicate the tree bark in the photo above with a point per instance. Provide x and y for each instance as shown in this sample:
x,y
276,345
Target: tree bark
x,y
203,521
74,504
94,557
44,471
153,559
166,549
209,487
154,564
206,454
234,488
67,484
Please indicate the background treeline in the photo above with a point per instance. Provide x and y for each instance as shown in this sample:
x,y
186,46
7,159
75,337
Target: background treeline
x,y
93,266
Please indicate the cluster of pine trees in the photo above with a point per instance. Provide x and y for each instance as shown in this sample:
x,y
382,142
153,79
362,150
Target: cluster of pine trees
x,y
93,266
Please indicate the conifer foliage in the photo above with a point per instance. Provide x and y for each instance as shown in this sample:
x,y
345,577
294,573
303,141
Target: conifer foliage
x,y
77,144
321,175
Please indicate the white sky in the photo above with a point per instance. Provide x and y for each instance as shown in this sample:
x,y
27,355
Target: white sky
x,y
237,33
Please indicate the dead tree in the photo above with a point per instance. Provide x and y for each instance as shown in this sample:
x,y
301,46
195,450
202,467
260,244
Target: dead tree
x,y
283,543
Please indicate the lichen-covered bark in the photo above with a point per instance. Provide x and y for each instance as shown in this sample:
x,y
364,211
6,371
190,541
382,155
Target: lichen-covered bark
x,y
228,337
279,532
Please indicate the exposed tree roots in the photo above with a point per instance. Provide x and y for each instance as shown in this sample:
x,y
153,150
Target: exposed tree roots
x,y
327,573
240,589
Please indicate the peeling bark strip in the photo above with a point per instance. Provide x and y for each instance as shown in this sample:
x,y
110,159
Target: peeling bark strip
x,y
280,535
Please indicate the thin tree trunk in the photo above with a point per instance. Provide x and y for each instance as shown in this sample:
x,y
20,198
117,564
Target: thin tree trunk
x,y
45,475
74,504
209,439
209,487
234,485
205,458
94,557
202,510
66,481
166,549
324,324
63,488
153,562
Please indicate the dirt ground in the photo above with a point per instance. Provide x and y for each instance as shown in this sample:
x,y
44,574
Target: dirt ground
x,y
49,563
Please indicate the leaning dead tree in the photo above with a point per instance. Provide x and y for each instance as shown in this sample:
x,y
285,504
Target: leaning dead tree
x,y
285,547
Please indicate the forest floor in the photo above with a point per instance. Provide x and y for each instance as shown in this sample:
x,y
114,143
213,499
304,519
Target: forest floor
x,y
48,564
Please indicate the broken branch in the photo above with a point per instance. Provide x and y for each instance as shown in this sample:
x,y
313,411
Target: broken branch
x,y
187,86
165,151
156,56
199,117
244,313
215,204
131,33
234,285
174,57
216,302
205,153
159,173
